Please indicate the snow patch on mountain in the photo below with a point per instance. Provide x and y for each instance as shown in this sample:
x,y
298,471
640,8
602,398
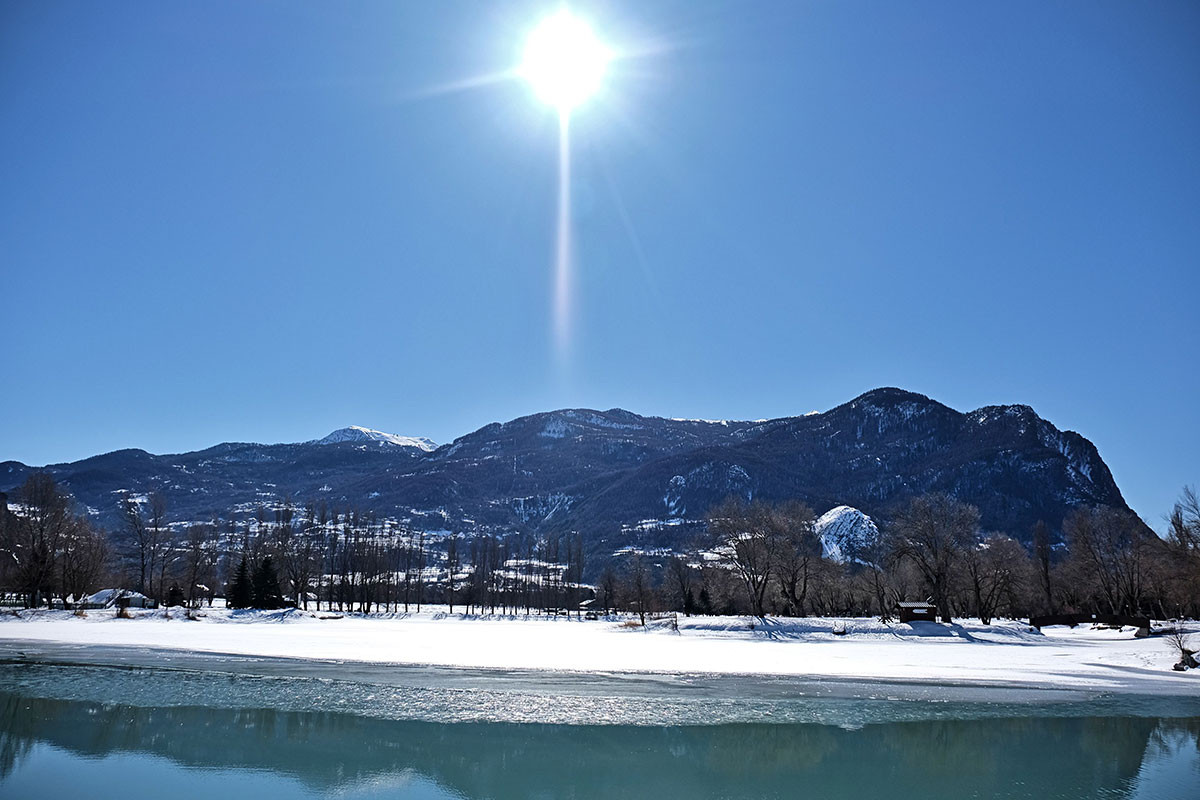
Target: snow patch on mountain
x,y
592,418
540,507
555,429
846,534
673,499
357,433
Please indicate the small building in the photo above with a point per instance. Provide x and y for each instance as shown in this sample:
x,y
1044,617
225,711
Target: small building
x,y
914,612
118,598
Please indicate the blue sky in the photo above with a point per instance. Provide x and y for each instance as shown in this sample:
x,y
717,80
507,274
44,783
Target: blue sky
x,y
259,221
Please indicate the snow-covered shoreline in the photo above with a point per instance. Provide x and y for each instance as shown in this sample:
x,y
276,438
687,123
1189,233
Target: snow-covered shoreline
x,y
1003,654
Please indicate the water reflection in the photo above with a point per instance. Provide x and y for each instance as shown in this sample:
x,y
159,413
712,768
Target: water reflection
x,y
332,753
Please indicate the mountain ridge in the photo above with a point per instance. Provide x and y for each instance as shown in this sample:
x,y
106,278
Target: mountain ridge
x,y
606,473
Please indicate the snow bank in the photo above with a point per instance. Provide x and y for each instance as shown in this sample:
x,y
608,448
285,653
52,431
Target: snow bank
x,y
1005,653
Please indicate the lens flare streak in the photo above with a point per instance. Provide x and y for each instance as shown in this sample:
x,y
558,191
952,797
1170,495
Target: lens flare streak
x,y
562,246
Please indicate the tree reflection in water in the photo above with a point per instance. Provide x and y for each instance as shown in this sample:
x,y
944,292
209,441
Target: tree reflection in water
x,y
333,753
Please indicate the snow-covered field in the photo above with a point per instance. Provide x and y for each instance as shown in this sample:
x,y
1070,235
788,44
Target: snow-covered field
x,y
1005,653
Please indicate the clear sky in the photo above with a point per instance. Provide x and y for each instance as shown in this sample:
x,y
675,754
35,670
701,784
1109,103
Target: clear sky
x,y
265,220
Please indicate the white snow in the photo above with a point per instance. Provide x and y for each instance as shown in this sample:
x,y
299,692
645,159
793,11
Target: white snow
x,y
555,429
357,433
1006,653
845,534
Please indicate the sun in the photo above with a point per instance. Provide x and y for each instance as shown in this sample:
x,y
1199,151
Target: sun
x,y
564,62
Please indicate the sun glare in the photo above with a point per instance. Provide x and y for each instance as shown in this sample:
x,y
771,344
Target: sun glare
x,y
564,62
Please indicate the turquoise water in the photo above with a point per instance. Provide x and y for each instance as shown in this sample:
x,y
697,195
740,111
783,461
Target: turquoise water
x,y
264,730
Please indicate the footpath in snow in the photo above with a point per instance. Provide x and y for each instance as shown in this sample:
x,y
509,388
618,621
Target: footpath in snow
x,y
1005,653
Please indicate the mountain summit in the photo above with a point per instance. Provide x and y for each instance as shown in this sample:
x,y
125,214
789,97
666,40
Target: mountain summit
x,y
356,433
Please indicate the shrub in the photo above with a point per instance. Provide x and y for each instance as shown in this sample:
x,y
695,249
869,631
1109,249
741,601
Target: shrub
x,y
1180,644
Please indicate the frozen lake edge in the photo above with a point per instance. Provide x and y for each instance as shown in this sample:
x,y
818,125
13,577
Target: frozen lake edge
x,y
743,660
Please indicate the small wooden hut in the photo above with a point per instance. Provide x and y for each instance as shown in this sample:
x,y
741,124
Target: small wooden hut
x,y
914,612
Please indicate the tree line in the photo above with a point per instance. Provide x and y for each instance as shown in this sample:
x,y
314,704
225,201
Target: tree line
x,y
767,559
753,558
311,556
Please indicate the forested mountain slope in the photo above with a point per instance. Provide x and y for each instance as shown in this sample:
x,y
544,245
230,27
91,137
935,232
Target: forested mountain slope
x,y
602,472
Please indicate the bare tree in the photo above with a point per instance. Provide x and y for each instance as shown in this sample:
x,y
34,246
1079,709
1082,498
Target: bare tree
x,y
294,549
1111,550
451,569
878,557
640,591
608,588
574,572
139,538
420,569
84,560
1183,545
44,547
798,549
305,558
408,562
681,575
160,538
1185,520
1042,552
146,534
993,568
8,561
745,539
932,532
199,560
34,536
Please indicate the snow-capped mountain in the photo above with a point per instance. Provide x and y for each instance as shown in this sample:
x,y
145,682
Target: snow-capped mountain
x,y
612,475
847,535
357,433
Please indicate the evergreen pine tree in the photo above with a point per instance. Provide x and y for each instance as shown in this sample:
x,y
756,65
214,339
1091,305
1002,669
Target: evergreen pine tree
x,y
239,594
265,586
706,605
